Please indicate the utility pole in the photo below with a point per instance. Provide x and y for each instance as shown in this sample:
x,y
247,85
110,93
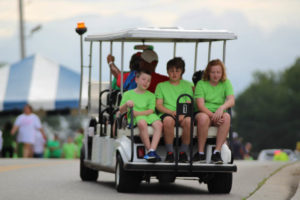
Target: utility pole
x,y
22,39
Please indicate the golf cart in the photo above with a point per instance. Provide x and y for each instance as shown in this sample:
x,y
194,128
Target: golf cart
x,y
111,146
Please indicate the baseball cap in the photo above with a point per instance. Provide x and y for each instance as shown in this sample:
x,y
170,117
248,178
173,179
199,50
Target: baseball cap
x,y
149,56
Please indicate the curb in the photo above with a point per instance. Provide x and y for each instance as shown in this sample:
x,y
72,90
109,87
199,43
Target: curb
x,y
297,193
279,184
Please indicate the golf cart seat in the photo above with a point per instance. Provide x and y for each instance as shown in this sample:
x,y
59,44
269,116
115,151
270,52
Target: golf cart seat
x,y
212,131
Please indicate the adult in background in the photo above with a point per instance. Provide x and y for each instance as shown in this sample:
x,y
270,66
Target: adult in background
x,y
27,124
133,66
213,95
148,62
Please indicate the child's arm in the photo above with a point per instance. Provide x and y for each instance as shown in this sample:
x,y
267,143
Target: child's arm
x,y
160,107
125,106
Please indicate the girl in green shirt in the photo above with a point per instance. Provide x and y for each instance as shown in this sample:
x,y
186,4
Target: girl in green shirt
x,y
213,95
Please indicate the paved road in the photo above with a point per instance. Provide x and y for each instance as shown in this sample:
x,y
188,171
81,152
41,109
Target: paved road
x,y
59,180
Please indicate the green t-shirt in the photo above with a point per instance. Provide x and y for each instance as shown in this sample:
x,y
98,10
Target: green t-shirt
x,y
169,93
214,96
114,84
79,142
69,150
8,139
142,102
54,149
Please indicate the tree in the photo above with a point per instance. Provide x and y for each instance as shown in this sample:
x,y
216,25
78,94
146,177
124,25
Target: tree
x,y
267,112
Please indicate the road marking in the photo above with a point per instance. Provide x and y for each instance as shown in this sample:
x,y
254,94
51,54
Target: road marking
x,y
16,167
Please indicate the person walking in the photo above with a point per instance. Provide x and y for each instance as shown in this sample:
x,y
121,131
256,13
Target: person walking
x,y
27,124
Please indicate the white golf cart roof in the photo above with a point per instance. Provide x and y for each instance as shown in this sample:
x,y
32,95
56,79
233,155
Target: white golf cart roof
x,y
164,35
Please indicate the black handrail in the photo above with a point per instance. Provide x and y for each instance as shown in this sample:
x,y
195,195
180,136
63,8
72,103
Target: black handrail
x,y
186,109
100,114
230,135
131,135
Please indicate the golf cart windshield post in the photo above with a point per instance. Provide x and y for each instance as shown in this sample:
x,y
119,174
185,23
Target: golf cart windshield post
x,y
90,77
111,51
122,65
224,51
100,79
209,51
174,49
196,56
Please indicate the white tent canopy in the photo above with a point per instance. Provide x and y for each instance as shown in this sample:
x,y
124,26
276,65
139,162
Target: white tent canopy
x,y
40,82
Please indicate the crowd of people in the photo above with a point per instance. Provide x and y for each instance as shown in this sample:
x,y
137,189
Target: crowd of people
x,y
153,98
26,138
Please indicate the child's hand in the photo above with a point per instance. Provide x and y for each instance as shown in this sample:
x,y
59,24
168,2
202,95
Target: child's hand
x,y
130,103
173,113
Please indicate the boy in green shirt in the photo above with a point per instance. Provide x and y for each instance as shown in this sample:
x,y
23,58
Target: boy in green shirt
x,y
143,103
166,96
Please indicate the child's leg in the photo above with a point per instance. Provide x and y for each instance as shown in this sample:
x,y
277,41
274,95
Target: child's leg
x,y
185,123
203,123
168,127
157,126
223,131
143,127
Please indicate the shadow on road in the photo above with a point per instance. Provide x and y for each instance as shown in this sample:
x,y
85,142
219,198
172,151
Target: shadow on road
x,y
157,188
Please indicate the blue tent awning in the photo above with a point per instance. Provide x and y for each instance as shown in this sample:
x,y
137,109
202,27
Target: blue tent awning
x,y
39,82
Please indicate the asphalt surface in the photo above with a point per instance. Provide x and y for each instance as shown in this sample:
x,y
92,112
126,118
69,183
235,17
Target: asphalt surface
x,y
59,179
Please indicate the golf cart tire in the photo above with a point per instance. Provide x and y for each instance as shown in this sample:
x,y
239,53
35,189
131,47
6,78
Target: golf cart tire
x,y
221,183
125,181
87,174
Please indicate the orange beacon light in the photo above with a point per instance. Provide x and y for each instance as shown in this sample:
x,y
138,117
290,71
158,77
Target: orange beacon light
x,y
81,29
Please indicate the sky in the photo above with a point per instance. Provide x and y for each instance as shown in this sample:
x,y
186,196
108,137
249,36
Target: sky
x,y
268,31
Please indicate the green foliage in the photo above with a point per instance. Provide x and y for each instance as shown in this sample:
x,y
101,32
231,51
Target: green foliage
x,y
267,112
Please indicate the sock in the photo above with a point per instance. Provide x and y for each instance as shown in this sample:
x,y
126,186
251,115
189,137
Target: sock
x,y
169,147
215,151
183,148
201,153
151,150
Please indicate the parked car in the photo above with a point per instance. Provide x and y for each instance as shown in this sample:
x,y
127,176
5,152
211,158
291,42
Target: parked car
x,y
268,154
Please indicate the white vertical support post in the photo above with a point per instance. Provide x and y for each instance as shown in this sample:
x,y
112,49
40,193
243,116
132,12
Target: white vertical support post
x,y
122,65
224,51
100,67
90,77
196,57
174,50
110,79
81,74
209,51
22,37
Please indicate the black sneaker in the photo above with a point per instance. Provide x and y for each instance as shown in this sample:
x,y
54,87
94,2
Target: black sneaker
x,y
216,158
201,158
183,157
169,157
